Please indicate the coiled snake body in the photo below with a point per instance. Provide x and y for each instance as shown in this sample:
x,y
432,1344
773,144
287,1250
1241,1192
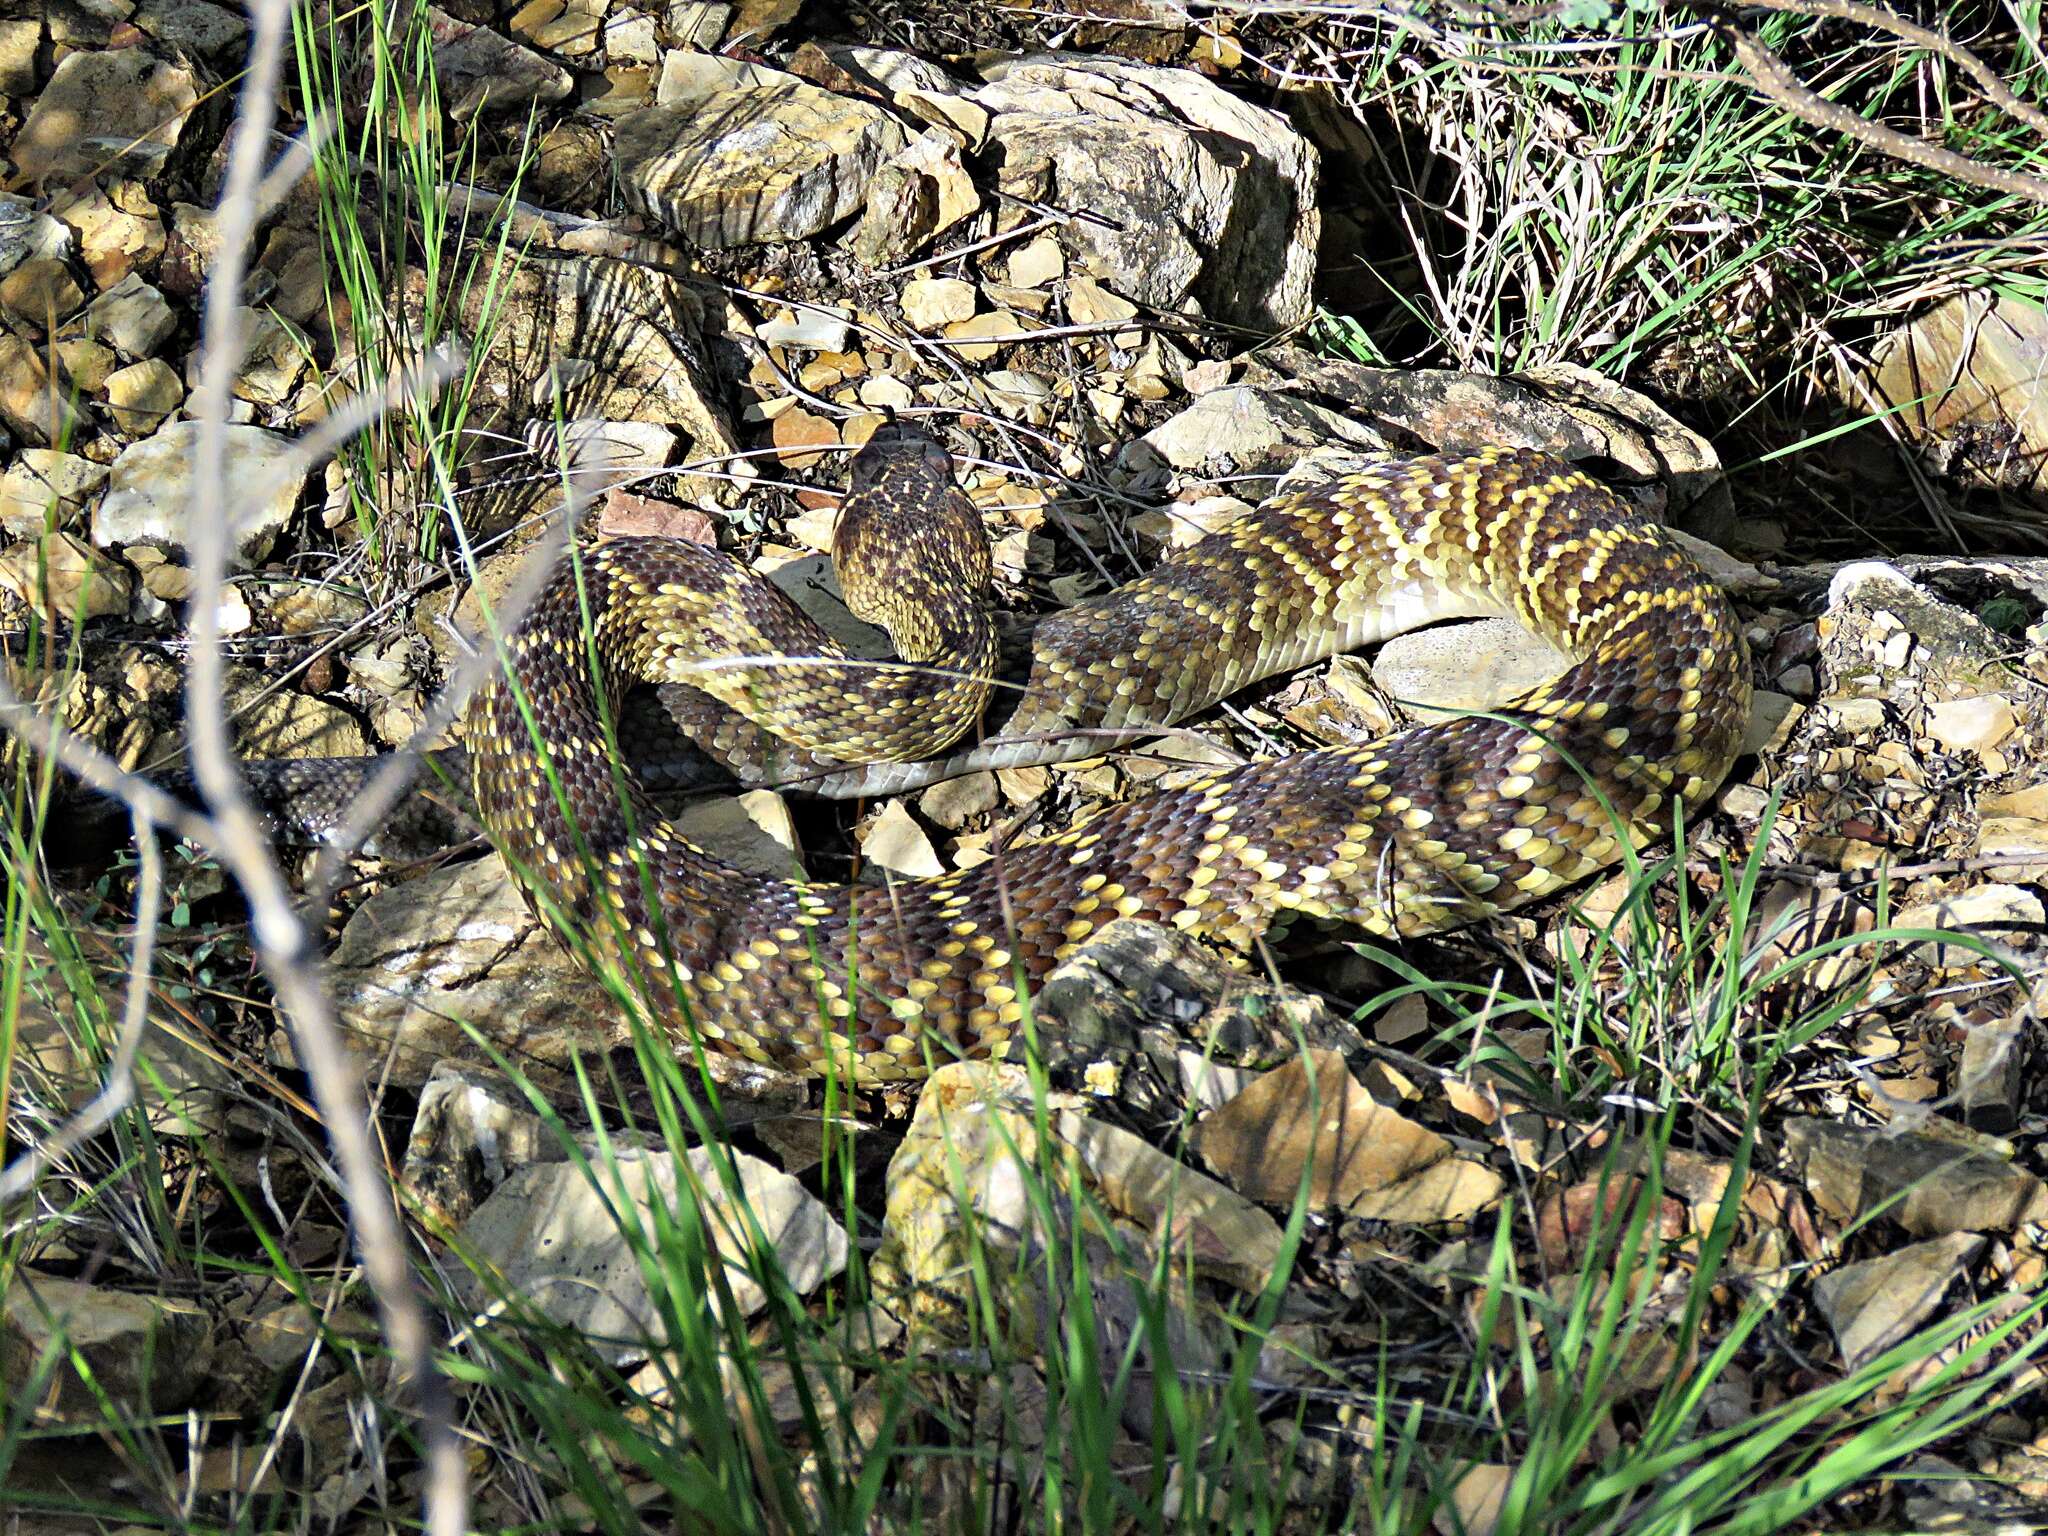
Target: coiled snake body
x,y
1422,830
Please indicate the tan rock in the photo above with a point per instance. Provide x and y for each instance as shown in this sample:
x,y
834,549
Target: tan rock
x,y
746,167
125,96
63,579
1359,1156
1972,725
41,292
141,395
932,302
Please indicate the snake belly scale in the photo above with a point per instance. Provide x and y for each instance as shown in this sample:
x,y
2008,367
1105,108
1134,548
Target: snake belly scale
x,y
1426,829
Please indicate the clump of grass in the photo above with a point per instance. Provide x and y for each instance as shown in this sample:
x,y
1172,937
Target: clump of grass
x,y
1600,185
411,271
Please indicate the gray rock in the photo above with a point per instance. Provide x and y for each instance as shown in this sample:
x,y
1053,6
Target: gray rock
x,y
483,71
19,41
131,317
63,579
1456,667
557,1240
1246,431
1196,192
145,1354
211,31
418,961
43,480
1874,1305
25,232
754,166
149,494
125,102
1927,1186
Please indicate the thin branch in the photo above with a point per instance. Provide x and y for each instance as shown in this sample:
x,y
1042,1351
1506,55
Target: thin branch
x,y
1882,20
282,943
1774,79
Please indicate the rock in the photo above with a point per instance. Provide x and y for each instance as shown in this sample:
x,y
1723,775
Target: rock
x,y
2018,843
2002,913
689,79
1019,395
210,31
1089,303
1971,725
149,494
1476,1501
1771,716
978,335
751,831
1228,1237
275,725
63,579
932,302
816,327
800,437
1561,409
18,43
141,395
955,802
556,1238
275,354
1145,986
960,1201
132,317
35,405
698,23
1571,1222
633,336
1037,263
1196,193
1247,430
118,230
45,488
41,292
482,71
1928,1187
136,1355
896,843
473,1129
1990,1081
1875,1305
753,166
125,102
457,944
1967,380
182,1082
1360,1157
1454,667
914,196
27,233
599,456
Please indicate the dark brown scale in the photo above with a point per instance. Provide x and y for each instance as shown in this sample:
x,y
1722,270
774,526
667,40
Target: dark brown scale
x,y
1422,830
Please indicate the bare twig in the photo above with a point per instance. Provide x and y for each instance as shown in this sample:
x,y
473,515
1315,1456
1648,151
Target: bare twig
x,y
1882,19
1774,79
283,945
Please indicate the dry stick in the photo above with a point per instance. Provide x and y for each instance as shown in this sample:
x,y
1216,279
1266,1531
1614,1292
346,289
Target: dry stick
x,y
1774,79
281,941
1882,20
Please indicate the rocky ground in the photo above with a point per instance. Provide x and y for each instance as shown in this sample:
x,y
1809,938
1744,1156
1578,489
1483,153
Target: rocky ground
x,y
735,244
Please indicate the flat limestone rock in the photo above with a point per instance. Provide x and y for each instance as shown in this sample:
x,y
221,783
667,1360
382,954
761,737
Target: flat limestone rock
x,y
753,166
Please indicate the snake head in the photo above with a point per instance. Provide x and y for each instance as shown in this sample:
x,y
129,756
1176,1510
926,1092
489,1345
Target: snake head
x,y
902,455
